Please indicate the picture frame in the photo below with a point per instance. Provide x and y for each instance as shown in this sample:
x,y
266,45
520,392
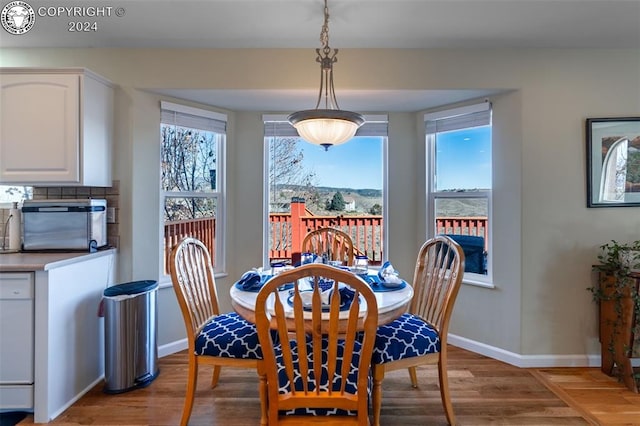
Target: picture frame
x,y
613,162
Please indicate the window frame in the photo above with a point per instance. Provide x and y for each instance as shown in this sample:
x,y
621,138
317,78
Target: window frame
x,y
219,194
375,124
432,195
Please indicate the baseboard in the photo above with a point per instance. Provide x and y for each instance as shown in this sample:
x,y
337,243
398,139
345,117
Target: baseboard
x,y
173,347
525,361
72,400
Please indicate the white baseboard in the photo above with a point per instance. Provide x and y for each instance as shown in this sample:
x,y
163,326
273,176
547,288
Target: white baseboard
x,y
72,400
525,361
173,347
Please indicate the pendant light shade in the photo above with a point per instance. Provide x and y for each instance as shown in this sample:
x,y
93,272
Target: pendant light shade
x,y
330,125
326,127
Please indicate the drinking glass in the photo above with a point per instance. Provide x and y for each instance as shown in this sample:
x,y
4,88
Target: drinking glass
x,y
361,265
305,258
276,268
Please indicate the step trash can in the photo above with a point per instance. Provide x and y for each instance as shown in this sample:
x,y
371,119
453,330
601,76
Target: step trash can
x,y
130,329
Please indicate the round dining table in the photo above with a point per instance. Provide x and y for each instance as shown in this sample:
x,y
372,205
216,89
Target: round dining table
x,y
392,301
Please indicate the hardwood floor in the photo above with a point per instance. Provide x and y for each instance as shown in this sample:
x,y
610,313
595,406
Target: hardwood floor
x,y
600,398
484,392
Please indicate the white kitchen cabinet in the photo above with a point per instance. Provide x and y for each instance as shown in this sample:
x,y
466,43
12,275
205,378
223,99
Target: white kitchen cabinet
x,y
53,333
56,127
17,337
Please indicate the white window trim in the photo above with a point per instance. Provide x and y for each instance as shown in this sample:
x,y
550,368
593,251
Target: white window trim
x,y
220,268
470,278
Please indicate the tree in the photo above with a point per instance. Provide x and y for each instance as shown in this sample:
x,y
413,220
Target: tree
x,y
287,175
337,202
189,159
376,210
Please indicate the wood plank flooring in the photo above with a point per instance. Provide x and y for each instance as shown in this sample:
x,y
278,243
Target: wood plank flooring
x,y
484,392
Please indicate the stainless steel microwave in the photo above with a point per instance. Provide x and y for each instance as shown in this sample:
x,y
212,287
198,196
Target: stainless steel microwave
x,y
75,225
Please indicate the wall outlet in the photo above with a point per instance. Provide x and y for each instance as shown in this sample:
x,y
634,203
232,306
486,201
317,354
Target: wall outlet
x,y
111,215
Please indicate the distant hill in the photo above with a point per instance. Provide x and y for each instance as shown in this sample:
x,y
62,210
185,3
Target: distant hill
x,y
371,193
366,198
366,192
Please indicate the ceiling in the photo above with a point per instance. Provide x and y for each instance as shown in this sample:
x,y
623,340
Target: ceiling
x,y
477,24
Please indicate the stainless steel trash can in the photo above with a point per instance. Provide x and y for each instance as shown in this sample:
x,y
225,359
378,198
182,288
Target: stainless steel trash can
x,y
130,329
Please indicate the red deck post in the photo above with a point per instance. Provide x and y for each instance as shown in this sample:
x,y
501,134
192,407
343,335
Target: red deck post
x,y
298,231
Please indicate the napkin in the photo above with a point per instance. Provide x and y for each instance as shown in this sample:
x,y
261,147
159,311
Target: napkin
x,y
250,280
346,296
388,274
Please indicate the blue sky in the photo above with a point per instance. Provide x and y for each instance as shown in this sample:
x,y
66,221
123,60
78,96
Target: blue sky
x,y
463,157
356,164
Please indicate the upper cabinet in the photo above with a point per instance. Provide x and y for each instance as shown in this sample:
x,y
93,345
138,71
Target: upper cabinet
x,y
56,127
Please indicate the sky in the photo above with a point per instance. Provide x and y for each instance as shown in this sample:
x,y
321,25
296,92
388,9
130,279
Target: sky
x,y
463,161
356,164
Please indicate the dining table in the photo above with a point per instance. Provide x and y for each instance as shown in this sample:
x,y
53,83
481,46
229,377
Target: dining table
x,y
392,300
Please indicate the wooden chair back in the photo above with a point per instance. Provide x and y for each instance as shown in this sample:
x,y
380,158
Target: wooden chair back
x,y
309,346
436,282
194,285
330,242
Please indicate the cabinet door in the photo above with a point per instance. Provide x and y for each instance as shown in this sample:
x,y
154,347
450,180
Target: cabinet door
x,y
40,122
16,328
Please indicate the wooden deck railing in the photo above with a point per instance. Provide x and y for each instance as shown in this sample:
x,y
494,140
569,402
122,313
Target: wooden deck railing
x,y
203,229
466,225
286,231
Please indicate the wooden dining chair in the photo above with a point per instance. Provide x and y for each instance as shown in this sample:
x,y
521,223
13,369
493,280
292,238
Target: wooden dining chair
x,y
317,369
214,339
331,243
420,336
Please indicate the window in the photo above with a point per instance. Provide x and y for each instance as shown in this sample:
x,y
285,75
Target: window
x,y
192,182
309,188
459,182
15,193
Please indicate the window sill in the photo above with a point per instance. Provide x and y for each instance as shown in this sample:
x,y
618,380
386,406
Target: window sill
x,y
477,283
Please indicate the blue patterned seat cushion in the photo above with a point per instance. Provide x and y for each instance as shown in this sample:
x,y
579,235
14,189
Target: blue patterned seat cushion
x,y
352,377
230,336
406,337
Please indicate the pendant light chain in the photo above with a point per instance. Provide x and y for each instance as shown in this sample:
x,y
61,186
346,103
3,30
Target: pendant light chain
x,y
326,59
324,33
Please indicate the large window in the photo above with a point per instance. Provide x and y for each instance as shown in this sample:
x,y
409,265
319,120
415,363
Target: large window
x,y
459,182
192,186
307,188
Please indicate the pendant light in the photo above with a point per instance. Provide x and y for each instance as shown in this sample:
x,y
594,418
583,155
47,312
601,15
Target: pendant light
x,y
330,125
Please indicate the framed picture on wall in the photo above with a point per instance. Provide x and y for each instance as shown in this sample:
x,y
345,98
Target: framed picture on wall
x,y
613,162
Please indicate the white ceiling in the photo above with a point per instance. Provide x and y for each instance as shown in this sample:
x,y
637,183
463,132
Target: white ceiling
x,y
479,24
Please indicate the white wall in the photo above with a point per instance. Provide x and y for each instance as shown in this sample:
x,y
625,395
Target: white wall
x,y
545,239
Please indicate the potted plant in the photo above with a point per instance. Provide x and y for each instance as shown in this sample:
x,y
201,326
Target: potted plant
x,y
618,296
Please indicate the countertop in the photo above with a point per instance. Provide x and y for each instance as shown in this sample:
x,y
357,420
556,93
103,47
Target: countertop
x,y
21,262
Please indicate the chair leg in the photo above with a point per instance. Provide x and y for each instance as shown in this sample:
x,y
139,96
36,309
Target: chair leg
x,y
215,376
262,388
414,376
444,390
192,381
378,375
